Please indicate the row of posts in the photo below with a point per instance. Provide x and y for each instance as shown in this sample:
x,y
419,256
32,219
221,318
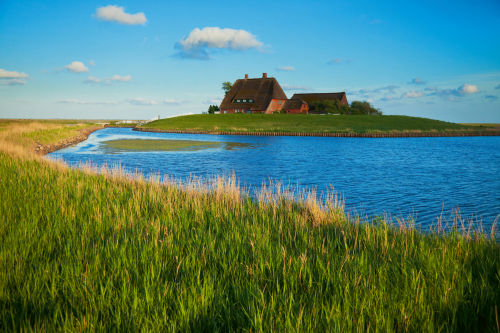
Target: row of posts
x,y
334,135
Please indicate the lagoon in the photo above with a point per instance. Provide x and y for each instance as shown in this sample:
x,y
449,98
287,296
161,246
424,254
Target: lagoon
x,y
429,179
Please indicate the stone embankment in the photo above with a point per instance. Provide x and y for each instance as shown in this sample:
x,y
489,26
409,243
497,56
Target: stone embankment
x,y
334,135
118,126
82,136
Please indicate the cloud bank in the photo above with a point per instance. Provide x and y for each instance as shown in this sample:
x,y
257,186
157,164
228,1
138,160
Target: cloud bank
x,y
117,14
293,87
412,94
175,102
141,101
198,43
287,68
75,101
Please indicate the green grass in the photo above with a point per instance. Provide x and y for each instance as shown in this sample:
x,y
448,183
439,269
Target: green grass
x,y
87,252
169,145
307,124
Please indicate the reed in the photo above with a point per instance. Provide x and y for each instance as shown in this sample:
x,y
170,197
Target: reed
x,y
101,249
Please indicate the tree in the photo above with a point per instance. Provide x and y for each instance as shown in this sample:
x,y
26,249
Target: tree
x,y
226,86
212,109
358,107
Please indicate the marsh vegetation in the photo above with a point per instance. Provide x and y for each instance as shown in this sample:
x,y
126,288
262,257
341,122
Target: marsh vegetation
x,y
102,250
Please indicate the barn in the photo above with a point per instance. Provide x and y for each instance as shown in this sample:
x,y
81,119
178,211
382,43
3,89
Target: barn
x,y
310,98
296,106
262,95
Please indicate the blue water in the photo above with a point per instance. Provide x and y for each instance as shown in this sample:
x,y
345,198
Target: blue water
x,y
420,177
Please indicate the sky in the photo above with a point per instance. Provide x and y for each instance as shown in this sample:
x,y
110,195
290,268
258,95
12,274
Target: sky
x,y
141,59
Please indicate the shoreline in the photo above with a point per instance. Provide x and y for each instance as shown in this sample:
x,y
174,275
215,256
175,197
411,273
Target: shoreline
x,y
334,135
50,148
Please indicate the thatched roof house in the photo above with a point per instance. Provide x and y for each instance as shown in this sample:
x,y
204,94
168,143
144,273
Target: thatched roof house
x,y
310,98
262,95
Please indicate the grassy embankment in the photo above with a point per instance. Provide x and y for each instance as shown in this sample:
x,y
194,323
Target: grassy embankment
x,y
81,251
309,124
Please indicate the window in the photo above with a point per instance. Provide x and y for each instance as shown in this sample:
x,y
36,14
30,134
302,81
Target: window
x,y
244,101
248,111
250,100
238,101
225,111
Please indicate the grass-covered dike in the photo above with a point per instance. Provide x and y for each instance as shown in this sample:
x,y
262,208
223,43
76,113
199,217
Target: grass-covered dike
x,y
298,123
97,250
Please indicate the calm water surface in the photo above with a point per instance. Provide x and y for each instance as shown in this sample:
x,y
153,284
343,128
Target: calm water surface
x,y
421,177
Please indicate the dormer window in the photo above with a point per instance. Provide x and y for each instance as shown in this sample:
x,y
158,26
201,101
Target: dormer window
x,y
243,101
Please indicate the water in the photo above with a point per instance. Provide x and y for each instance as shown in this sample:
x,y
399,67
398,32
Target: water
x,y
420,177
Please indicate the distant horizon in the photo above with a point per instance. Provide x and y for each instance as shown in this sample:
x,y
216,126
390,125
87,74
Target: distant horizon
x,y
135,60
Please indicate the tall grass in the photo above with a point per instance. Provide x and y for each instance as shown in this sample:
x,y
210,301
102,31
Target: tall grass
x,y
100,250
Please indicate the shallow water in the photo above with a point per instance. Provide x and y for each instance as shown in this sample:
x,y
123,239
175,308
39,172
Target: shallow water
x,y
419,177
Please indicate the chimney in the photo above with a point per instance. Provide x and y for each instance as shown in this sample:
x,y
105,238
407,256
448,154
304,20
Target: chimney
x,y
246,76
264,75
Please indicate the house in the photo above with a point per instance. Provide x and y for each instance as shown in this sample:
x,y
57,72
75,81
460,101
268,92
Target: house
x,y
262,95
310,98
296,106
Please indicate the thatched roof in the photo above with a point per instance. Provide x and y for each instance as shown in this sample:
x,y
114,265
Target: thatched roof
x,y
309,98
261,91
293,104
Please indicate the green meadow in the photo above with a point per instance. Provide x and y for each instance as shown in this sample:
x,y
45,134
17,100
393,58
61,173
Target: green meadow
x,y
310,124
101,250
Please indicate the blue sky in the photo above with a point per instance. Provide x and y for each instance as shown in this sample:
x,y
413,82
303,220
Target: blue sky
x,y
137,60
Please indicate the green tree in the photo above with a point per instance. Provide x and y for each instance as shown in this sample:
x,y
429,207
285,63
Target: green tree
x,y
226,86
212,109
359,107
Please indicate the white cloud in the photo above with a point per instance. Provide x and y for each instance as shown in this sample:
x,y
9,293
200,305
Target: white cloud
x,y
174,102
117,14
364,91
497,87
91,63
196,45
76,67
213,100
375,22
352,92
390,88
370,100
92,80
141,101
287,68
293,87
447,94
12,75
417,81
75,101
336,61
412,94
467,89
13,82
431,88
387,98
119,78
